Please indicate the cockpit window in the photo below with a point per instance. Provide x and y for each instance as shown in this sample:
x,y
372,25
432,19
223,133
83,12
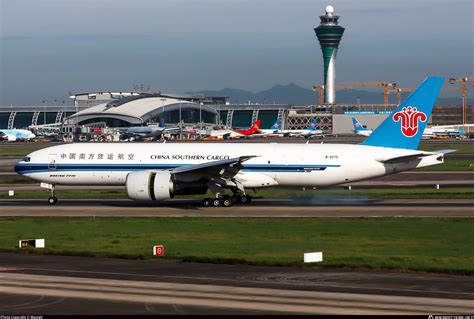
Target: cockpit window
x,y
26,159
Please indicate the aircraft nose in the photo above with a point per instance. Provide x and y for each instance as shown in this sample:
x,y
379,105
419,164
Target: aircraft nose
x,y
17,168
20,166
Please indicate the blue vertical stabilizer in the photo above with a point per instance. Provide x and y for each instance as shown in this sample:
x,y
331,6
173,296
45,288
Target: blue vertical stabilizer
x,y
404,127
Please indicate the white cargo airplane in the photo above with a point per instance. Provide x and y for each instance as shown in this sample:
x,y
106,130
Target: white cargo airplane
x,y
161,171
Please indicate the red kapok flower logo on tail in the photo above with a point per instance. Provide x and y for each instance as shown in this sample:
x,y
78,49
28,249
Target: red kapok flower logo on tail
x,y
409,117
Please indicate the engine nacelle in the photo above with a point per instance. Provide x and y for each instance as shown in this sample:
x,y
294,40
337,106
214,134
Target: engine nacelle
x,y
11,138
145,185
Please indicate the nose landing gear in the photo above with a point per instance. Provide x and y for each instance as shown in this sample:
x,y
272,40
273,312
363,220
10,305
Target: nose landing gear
x,y
52,200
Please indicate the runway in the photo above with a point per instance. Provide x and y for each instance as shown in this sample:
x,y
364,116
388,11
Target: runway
x,y
80,285
301,207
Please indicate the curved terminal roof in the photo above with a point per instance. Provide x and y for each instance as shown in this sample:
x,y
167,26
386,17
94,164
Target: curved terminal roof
x,y
137,110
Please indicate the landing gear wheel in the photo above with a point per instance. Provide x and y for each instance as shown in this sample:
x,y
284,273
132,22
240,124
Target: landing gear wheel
x,y
206,202
226,201
245,199
52,200
216,202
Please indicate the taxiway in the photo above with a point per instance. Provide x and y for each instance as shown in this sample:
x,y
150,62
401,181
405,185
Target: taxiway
x,y
81,285
297,207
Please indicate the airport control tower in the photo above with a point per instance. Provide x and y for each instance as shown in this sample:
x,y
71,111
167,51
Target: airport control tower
x,y
329,34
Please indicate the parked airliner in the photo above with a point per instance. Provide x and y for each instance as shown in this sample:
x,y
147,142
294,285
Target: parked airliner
x,y
151,171
360,129
310,131
275,130
152,132
238,133
13,135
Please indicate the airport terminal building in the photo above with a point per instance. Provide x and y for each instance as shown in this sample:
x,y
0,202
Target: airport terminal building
x,y
125,109
142,109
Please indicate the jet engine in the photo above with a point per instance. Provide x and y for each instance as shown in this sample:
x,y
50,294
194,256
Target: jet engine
x,y
147,185
11,138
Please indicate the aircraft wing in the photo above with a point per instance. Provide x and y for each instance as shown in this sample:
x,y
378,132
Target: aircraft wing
x,y
171,129
223,134
224,168
221,172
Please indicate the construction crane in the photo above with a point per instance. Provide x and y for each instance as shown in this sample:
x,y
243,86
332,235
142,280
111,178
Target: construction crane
x,y
385,86
463,82
320,89
399,92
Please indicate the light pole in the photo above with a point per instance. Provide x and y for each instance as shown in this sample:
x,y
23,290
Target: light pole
x,y
63,109
44,111
77,116
200,115
164,109
180,124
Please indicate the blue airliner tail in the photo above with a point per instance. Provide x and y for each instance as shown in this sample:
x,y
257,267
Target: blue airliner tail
x,y
162,123
404,127
276,125
313,125
357,125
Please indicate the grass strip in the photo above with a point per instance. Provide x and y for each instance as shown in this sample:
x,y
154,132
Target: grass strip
x,y
451,165
399,244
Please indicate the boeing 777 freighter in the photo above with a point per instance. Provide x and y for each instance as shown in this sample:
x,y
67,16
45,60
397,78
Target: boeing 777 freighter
x,y
161,171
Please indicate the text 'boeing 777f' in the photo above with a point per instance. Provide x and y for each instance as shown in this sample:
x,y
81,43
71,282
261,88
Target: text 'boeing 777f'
x,y
161,171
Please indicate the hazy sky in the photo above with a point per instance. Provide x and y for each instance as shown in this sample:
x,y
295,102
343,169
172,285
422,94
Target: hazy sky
x,y
51,47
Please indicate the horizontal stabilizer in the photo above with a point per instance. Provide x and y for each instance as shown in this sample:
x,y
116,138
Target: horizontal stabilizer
x,y
444,151
403,158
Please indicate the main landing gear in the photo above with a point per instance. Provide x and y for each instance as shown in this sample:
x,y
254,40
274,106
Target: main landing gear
x,y
226,200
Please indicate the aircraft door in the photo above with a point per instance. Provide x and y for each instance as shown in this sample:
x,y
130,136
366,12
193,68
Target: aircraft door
x,y
52,161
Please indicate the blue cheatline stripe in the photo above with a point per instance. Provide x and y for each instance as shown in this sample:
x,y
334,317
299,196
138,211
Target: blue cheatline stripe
x,y
39,168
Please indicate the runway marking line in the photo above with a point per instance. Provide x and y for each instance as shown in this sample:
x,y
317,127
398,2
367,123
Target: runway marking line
x,y
317,301
7,268
323,284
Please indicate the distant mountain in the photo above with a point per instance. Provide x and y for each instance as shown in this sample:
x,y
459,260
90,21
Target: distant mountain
x,y
284,94
235,95
289,94
297,95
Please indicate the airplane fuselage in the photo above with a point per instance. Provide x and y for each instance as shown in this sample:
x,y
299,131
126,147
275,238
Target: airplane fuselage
x,y
16,134
312,165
